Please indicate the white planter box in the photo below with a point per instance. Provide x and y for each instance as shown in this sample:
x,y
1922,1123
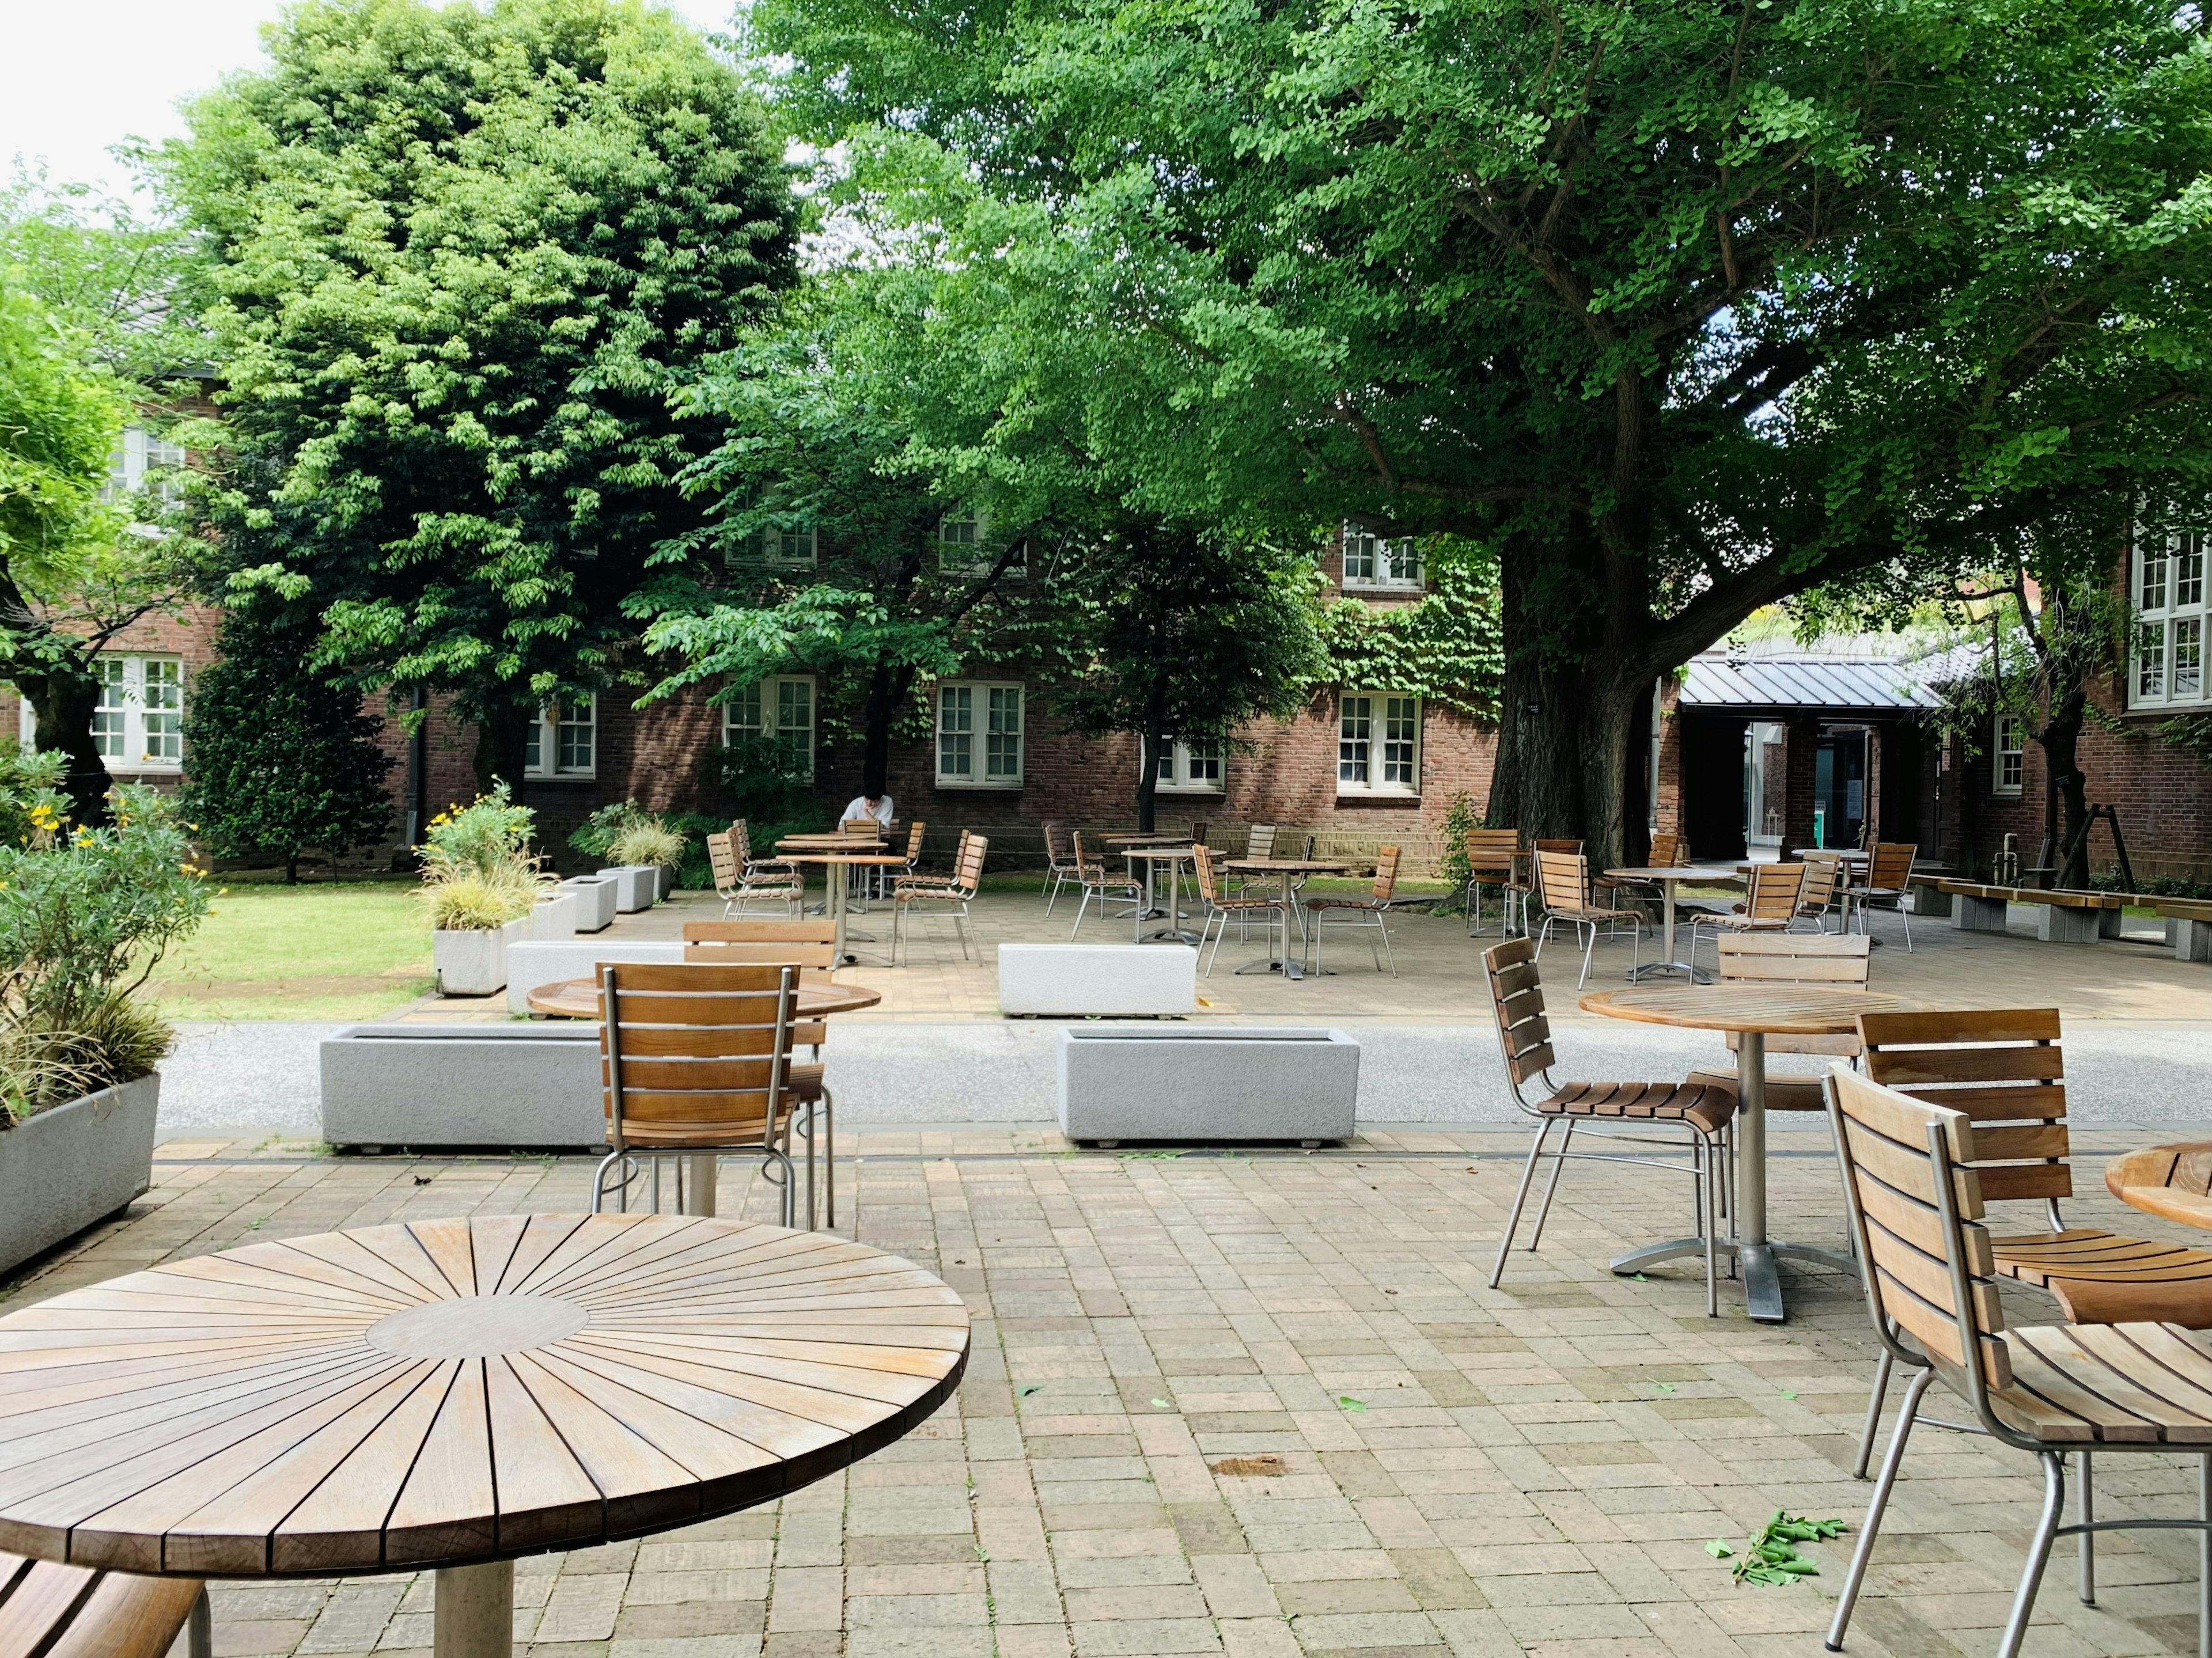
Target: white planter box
x,y
1226,1083
663,880
1124,981
464,1084
472,962
638,887
556,918
63,1169
542,962
595,896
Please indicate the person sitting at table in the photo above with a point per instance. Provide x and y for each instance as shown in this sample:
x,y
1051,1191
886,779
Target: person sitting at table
x,y
877,806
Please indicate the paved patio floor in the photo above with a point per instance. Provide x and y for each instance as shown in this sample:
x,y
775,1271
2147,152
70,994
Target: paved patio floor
x,y
1467,1472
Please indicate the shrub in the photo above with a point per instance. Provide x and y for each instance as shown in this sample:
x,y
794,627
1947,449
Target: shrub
x,y
85,915
480,901
1461,815
765,779
595,837
648,842
478,872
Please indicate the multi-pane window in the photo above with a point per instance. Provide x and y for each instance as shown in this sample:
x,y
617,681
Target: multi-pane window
x,y
563,740
1194,765
137,453
2166,664
1372,561
787,549
139,720
1378,743
963,547
2011,754
781,708
979,735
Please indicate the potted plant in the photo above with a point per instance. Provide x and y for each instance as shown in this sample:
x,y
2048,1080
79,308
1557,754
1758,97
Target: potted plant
x,y
628,837
86,913
479,883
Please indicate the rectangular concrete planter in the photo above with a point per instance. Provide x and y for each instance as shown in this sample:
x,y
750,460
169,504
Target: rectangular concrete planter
x,y
663,880
595,896
639,887
469,962
539,961
1226,1083
464,1084
1123,981
64,1170
556,918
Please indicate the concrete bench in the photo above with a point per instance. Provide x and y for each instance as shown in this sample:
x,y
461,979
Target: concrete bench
x,y
2188,927
596,896
524,1086
1123,981
2065,916
639,887
536,962
1220,1082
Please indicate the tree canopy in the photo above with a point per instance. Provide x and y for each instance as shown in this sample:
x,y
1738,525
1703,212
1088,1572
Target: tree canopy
x,y
460,258
1682,309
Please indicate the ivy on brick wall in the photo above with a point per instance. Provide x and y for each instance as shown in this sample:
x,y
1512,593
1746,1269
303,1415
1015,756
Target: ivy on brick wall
x,y
1445,648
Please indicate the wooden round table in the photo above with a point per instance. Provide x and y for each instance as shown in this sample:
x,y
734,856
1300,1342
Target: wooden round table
x,y
2170,1182
836,901
1753,1012
449,1395
813,999
1290,869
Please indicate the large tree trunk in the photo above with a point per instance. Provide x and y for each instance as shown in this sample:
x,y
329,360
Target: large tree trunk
x,y
503,742
1151,743
1608,743
2060,739
1541,776
64,699
889,687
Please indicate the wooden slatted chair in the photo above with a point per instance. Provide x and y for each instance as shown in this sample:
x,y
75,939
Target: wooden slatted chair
x,y
1371,912
1821,890
1491,855
1888,879
1638,1113
1562,890
1100,882
956,892
1222,908
695,1059
737,889
808,943
1791,958
1059,864
1768,906
49,1610
1915,1178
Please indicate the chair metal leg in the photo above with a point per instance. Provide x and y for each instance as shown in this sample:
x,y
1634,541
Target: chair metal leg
x,y
1520,1197
1388,954
1709,1157
829,1158
2038,1553
1874,1414
1079,908
1551,1186
1589,949
1872,1526
2087,1561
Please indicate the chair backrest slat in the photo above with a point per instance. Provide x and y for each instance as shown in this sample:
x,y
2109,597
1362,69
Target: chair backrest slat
x,y
1261,841
1823,871
914,832
1563,878
1209,883
1890,865
1490,852
1516,995
1774,889
1666,850
1386,874
1817,958
2001,1069
770,929
821,957
722,860
694,1055
1897,1154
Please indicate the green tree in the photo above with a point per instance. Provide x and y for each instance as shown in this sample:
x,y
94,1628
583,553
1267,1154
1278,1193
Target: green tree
x,y
1183,637
278,759
1684,309
461,258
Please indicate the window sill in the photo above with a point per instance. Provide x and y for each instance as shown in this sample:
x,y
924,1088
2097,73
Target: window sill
x,y
1401,588
1376,798
2006,794
560,777
1013,788
1192,791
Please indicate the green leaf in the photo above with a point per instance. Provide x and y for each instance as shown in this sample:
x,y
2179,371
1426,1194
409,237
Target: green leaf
x,y
1033,1388
1163,1405
1718,1550
1349,1403
1664,1387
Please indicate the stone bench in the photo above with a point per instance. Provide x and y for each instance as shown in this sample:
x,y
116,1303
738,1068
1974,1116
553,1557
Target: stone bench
x,y
1122,981
523,1085
2188,927
535,962
1219,1082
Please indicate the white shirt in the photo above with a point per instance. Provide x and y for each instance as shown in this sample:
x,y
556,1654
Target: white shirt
x,y
858,808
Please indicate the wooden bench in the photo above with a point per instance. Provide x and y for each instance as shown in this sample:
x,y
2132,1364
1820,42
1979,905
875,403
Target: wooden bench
x,y
75,1612
2069,915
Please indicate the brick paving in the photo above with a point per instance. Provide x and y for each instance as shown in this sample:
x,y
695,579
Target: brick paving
x,y
1463,1471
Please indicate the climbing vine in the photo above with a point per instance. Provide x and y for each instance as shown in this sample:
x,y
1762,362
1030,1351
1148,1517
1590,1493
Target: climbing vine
x,y
1446,649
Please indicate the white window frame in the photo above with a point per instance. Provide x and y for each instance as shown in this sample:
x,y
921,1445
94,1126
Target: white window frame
x,y
789,550
796,700
964,546
555,722
1199,767
137,451
978,710
2170,583
1372,564
137,725
1378,743
2008,755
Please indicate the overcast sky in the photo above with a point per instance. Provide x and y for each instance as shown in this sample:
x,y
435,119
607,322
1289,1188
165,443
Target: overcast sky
x,y
77,76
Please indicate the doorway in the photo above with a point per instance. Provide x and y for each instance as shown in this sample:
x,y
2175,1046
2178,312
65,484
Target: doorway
x,y
1840,788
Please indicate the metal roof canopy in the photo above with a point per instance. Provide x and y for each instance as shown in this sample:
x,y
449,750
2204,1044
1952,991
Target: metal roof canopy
x,y
1870,686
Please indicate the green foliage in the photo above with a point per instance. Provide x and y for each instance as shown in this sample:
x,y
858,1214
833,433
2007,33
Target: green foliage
x,y
1445,648
1461,815
766,781
59,417
596,834
2191,733
489,834
466,899
460,258
2159,886
85,913
647,841
1771,1557
278,759
32,805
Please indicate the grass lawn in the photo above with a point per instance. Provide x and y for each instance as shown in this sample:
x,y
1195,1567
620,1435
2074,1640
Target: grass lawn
x,y
342,951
